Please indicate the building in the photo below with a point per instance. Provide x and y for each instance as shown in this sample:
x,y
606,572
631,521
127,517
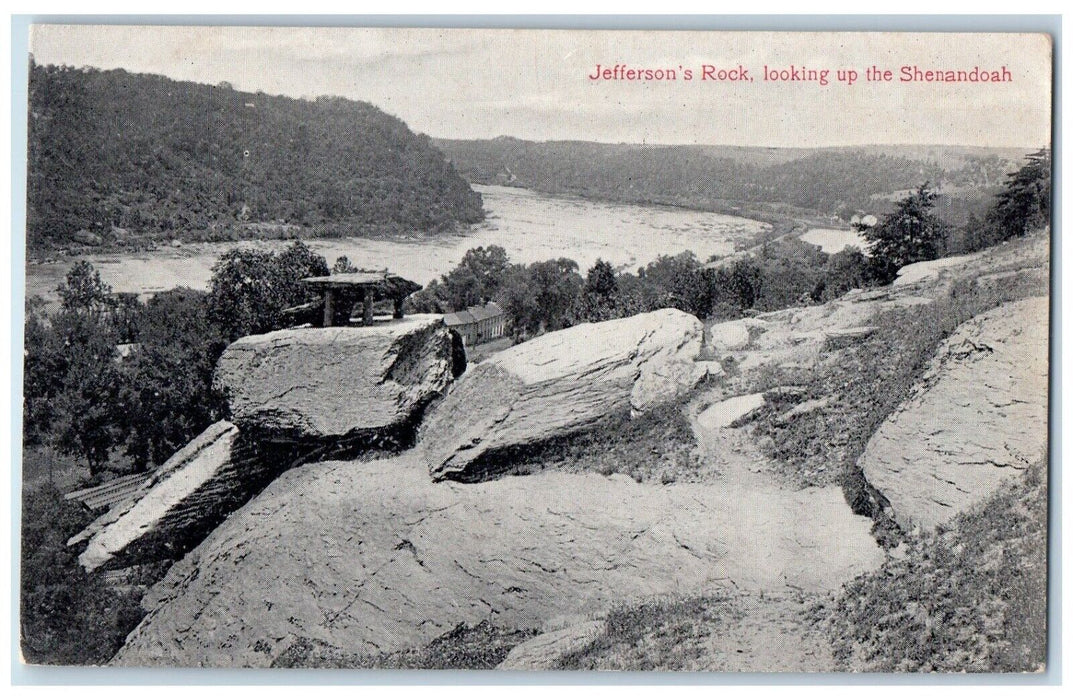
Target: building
x,y
478,324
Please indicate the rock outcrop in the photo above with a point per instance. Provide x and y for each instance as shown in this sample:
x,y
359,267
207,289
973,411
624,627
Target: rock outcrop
x,y
729,335
317,383
374,557
560,384
542,653
185,499
727,412
979,416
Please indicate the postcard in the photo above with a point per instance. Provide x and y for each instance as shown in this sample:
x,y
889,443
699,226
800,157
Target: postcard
x,y
526,349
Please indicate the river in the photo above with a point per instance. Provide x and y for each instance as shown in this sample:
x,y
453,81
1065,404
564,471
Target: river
x,y
530,226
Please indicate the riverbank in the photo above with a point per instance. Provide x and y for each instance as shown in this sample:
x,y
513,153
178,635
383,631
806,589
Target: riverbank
x,y
530,226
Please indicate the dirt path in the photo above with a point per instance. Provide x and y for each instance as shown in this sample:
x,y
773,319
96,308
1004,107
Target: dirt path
x,y
744,633
773,635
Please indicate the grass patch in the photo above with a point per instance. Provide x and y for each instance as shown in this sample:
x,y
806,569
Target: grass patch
x,y
654,635
970,597
466,647
865,383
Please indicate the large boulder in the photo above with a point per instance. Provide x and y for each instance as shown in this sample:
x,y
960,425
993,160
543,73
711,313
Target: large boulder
x,y
560,384
316,383
977,418
184,499
370,558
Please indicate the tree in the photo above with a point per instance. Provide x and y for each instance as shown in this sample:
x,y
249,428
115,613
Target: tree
x,y
541,297
911,233
736,288
168,390
250,288
678,282
71,390
600,281
477,278
343,265
83,291
598,301
847,269
85,388
44,362
1025,201
555,285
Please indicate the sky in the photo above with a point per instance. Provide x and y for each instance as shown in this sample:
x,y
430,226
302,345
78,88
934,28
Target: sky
x,y
536,84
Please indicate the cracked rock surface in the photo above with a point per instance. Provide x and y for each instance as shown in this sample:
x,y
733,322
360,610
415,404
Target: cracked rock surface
x,y
560,383
978,416
331,382
374,557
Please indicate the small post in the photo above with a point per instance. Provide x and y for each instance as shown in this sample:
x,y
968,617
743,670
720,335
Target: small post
x,y
328,310
367,310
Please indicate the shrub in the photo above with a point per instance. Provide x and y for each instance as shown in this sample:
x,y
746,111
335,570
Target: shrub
x,y
66,615
251,288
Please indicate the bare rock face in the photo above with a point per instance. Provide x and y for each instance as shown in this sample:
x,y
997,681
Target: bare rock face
x,y
560,384
315,383
543,652
730,335
185,498
374,557
978,417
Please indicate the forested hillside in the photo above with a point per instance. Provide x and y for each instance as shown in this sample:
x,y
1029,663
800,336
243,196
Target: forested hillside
x,y
751,181
116,158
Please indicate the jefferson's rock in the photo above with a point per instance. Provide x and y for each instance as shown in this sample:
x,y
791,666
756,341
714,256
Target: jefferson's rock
x,y
184,500
560,384
318,383
978,417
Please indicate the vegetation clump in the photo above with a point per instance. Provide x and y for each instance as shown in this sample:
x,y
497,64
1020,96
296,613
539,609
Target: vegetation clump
x,y
67,616
478,647
967,597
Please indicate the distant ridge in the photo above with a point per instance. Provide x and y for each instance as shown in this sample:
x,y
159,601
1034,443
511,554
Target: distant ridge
x,y
116,157
760,182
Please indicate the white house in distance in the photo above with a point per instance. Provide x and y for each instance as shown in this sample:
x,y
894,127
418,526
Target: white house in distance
x,y
478,324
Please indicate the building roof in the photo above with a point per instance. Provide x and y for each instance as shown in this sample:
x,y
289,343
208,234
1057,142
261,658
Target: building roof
x,y
473,314
110,492
458,318
489,310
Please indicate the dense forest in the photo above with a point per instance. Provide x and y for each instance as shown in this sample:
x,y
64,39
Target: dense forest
x,y
762,183
117,158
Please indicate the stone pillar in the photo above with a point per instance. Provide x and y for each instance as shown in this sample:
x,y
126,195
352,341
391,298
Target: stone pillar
x,y
328,308
367,307
398,307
